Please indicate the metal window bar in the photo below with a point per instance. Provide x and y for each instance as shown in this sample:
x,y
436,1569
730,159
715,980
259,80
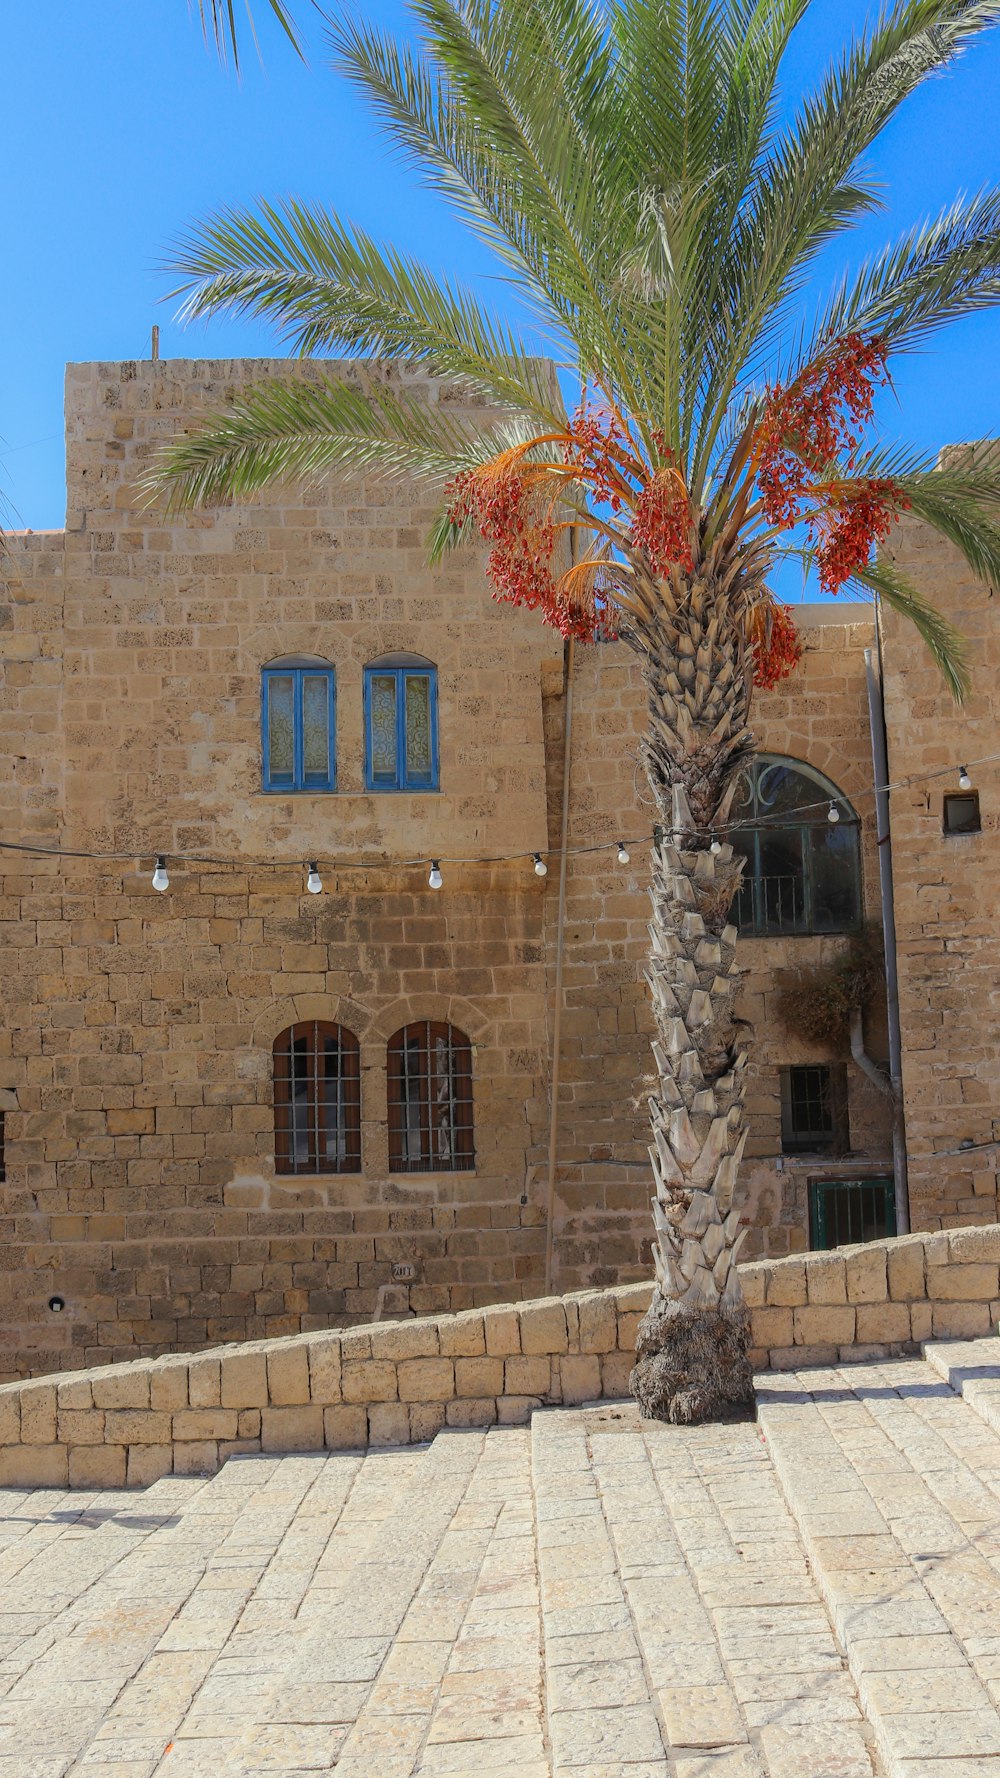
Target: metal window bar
x,y
430,1099
317,1100
847,1211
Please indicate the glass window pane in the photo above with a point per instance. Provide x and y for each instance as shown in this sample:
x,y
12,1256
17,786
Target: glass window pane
x,y
335,1122
300,1109
782,790
383,720
280,726
781,887
833,863
418,726
316,725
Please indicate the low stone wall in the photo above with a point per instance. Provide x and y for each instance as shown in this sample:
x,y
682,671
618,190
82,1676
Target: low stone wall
x,y
401,1382
874,1300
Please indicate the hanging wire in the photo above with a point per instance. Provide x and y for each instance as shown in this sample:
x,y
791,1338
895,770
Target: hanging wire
x,y
644,839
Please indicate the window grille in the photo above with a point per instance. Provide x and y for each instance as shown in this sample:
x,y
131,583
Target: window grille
x,y
430,1100
298,727
814,1110
317,1100
401,725
802,872
961,813
844,1211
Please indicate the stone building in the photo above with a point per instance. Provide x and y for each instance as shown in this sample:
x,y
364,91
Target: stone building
x,y
239,1108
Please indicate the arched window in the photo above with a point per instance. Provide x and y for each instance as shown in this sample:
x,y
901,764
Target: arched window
x,y
803,871
430,1100
401,738
298,723
317,1100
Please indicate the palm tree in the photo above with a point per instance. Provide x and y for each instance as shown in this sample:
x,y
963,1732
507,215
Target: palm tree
x,y
626,163
221,23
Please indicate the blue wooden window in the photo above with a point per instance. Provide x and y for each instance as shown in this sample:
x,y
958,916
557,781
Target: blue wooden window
x,y
401,728
298,726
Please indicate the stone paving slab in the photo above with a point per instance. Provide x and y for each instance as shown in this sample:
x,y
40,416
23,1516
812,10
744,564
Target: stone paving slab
x,y
814,1597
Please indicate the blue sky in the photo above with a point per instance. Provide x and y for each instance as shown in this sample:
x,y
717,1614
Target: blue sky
x,y
119,128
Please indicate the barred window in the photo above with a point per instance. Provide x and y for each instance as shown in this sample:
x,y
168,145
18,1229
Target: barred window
x,y
803,872
317,1100
430,1099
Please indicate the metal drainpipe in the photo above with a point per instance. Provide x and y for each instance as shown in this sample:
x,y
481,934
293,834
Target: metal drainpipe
x,y
550,1190
880,766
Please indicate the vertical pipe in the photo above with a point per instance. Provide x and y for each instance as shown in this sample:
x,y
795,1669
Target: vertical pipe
x,y
550,1190
880,766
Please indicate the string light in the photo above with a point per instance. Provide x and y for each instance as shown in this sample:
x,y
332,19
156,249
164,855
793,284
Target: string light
x,y
716,847
435,879
623,853
541,868
159,878
964,781
833,813
314,882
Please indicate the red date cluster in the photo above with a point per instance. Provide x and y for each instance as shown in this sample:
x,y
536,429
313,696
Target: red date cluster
x,y
511,519
776,647
661,522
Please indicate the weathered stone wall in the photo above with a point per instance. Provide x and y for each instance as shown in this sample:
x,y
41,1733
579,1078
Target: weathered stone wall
x,y
947,890
396,1384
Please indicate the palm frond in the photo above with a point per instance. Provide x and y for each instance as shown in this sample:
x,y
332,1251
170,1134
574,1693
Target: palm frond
x,y
943,641
220,24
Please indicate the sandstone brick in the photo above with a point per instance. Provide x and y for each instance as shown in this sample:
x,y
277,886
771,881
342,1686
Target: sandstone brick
x,y
97,1466
204,1382
426,1421
883,1323
203,1423
478,1377
131,1426
905,1269
243,1380
826,1278
543,1328
287,1377
147,1463
527,1376
960,1320
515,1410
248,1423
866,1274
196,1457
826,1324
38,1414
753,1282
369,1379
388,1423
921,1321
34,1466
292,1428
974,1282
579,1378
502,1331
462,1336
975,1244
785,1283
80,1426
405,1339
345,1428
124,1388
771,1327
75,1393
628,1332
471,1413
425,1379
324,1370
598,1324
10,1416
168,1385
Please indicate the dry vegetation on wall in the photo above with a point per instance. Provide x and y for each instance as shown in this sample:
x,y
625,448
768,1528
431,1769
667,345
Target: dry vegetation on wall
x,y
819,1004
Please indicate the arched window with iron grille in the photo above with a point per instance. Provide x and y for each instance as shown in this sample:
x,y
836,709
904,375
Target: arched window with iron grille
x,y
317,1099
430,1099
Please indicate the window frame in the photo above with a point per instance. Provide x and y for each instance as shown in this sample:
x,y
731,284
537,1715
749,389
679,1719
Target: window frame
x,y
819,1210
749,838
836,1140
953,802
460,1099
404,782
301,784
350,1050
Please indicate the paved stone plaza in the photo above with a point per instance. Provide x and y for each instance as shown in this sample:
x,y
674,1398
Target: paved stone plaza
x,y
816,1596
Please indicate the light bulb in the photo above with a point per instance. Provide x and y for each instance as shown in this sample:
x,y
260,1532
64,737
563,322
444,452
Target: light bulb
x,y
964,781
435,879
833,813
314,882
715,848
541,868
159,879
623,853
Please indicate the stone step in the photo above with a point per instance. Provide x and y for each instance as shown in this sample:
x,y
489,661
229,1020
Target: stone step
x,y
972,1370
683,1632
894,1483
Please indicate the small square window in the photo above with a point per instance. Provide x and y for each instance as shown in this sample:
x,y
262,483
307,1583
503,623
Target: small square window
x,y
814,1110
961,812
845,1211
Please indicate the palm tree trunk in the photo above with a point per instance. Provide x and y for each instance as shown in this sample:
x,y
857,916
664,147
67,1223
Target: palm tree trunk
x,y
692,1353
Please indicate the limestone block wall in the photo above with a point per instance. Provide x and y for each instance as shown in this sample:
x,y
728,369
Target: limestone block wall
x,y
401,1382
